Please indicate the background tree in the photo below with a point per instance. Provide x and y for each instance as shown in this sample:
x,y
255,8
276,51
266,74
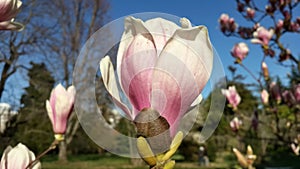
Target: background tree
x,y
32,125
268,23
19,48
72,23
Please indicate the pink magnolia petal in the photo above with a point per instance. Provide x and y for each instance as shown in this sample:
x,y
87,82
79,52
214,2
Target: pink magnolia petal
x,y
182,71
136,71
166,96
132,28
109,80
6,8
62,105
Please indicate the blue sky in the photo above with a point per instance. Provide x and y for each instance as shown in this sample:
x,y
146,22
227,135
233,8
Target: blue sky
x,y
207,13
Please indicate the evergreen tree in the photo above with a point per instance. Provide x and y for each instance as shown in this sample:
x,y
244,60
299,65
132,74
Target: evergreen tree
x,y
33,125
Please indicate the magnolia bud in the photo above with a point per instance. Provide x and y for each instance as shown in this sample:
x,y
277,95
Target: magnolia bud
x,y
154,128
265,70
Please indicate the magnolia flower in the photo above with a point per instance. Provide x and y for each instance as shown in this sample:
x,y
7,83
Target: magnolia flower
x,y
275,92
297,93
232,96
161,67
60,107
18,158
250,13
8,10
235,124
288,97
264,96
240,51
262,36
265,70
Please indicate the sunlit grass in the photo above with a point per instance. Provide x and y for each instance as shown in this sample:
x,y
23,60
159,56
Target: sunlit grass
x,y
105,162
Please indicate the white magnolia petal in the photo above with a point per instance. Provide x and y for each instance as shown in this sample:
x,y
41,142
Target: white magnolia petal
x,y
197,100
256,41
161,30
49,111
186,61
4,157
71,94
109,80
18,157
185,23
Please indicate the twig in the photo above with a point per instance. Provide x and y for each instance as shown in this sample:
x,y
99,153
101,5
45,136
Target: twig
x,y
51,147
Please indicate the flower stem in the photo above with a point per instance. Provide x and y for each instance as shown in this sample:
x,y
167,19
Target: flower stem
x,y
51,147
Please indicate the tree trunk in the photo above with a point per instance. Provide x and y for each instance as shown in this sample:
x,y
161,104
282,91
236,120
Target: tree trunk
x,y
62,155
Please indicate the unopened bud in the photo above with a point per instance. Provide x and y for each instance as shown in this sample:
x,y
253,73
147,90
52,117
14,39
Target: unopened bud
x,y
265,70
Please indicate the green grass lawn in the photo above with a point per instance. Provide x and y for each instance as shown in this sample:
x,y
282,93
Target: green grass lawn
x,y
105,162
116,162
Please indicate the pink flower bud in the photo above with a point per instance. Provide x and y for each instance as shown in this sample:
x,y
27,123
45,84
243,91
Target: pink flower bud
x,y
60,107
8,10
275,92
262,36
232,96
279,24
227,24
18,158
235,124
240,51
297,93
224,18
264,96
294,26
265,70
250,13
288,98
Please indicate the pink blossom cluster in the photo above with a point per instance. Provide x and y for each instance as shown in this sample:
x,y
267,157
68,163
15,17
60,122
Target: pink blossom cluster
x,y
227,25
